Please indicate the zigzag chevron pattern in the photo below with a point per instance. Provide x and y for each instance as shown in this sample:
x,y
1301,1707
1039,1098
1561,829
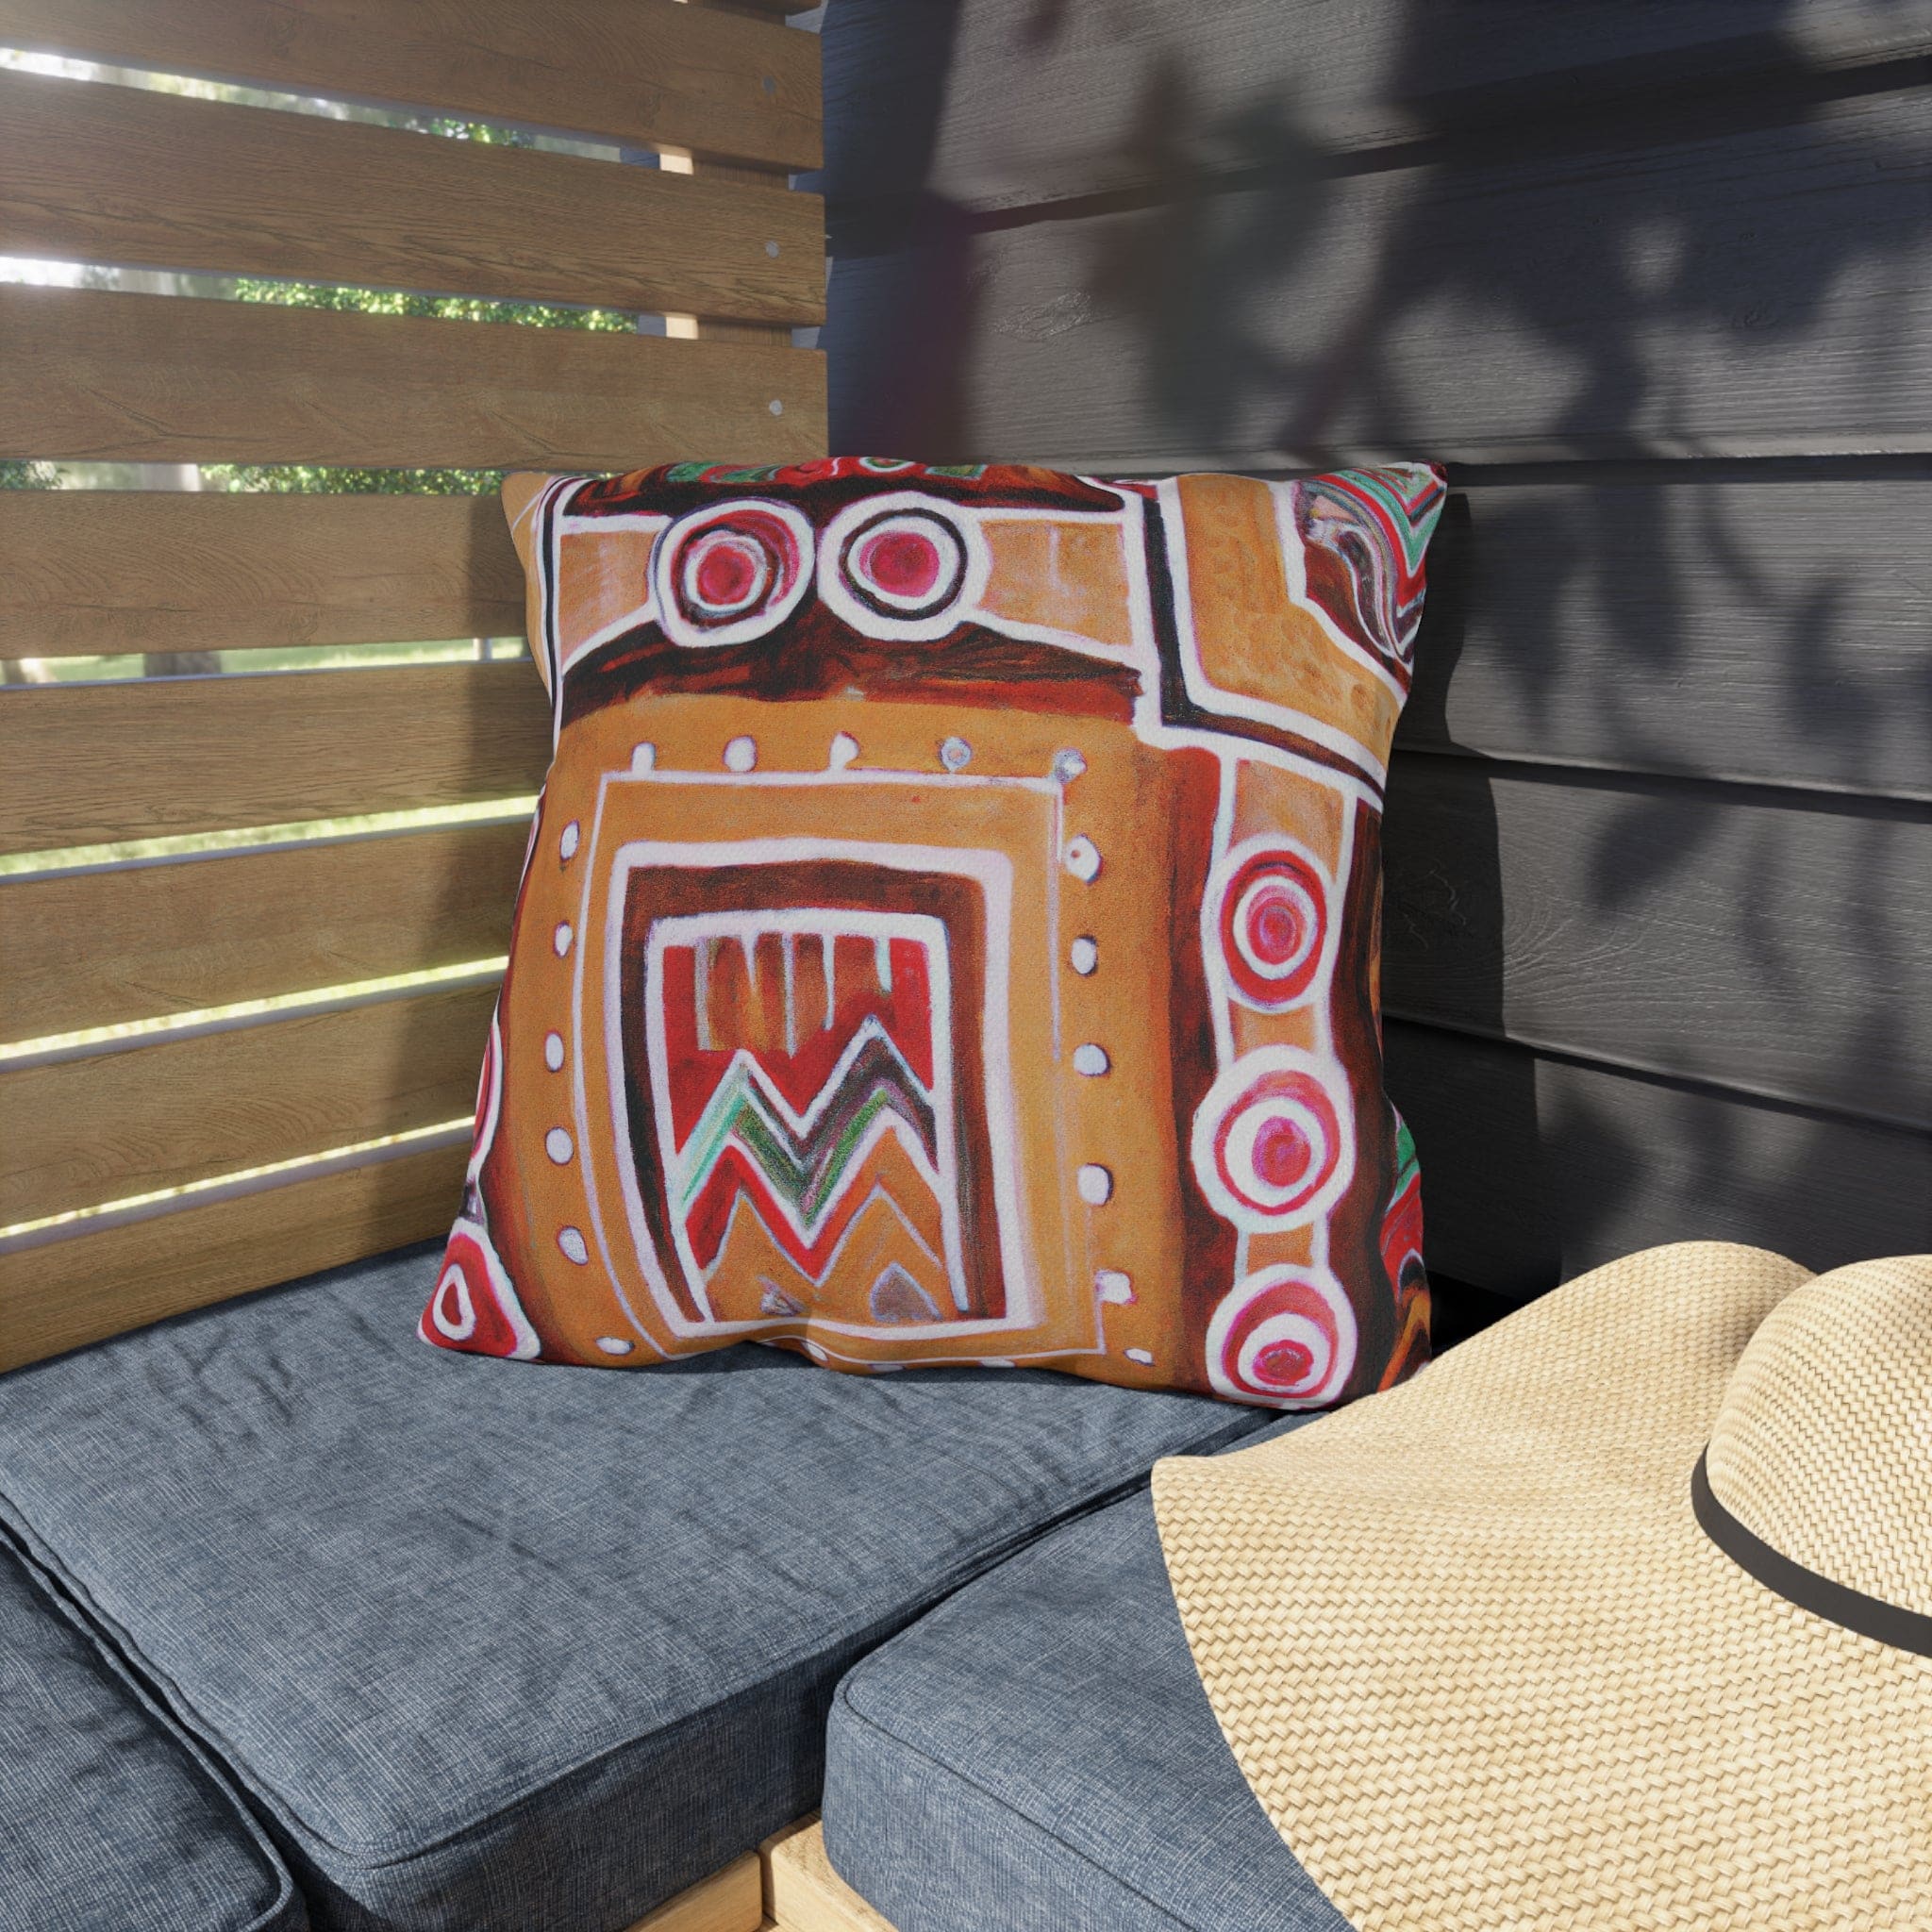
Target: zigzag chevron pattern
x,y
803,1131
798,1168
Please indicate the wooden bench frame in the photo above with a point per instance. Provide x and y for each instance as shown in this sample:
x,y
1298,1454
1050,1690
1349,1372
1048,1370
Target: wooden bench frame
x,y
787,1885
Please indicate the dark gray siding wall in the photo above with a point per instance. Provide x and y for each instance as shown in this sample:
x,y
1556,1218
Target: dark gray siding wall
x,y
1655,278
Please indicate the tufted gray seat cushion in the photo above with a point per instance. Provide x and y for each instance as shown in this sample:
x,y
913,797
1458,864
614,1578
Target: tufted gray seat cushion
x,y
108,1819
1037,1754
495,1645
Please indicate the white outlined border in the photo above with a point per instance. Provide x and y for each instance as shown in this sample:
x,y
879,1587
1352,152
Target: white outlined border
x,y
994,874
745,928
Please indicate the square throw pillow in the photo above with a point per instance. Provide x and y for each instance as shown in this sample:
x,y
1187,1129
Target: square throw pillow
x,y
949,932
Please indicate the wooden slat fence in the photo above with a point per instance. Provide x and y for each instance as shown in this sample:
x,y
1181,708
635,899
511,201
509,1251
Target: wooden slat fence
x,y
222,1068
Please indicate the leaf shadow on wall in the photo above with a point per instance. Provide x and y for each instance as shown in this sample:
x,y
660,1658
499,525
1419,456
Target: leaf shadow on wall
x,y
1629,229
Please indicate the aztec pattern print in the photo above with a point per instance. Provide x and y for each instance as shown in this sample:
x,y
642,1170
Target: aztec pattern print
x,y
950,929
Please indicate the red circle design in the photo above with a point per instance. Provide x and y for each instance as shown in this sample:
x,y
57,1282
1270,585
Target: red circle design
x,y
906,564
1276,1146
1273,920
726,576
1285,1337
728,569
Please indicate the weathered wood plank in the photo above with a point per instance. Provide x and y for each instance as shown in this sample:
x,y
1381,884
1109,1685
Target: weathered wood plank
x,y
638,72
104,572
1777,630
730,1899
110,1126
1535,1169
91,376
60,1294
92,764
106,944
120,174
1092,96
1763,941
1764,290
806,1892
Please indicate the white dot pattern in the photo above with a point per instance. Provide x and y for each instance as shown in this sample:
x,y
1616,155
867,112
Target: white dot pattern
x,y
1095,1184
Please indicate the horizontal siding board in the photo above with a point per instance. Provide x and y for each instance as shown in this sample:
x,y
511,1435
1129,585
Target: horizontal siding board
x,y
1767,290
104,174
60,1294
1096,97
110,1126
1775,630
94,377
1536,1168
94,764
105,572
109,945
638,72
1754,940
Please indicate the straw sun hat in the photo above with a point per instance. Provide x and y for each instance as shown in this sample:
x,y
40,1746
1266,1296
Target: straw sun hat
x,y
1619,1615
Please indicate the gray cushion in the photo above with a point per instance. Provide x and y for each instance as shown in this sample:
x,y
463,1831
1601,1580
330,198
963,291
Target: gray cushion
x,y
1037,1754
109,1819
495,1645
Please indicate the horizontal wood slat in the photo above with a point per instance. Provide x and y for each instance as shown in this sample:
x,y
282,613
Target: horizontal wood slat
x,y
105,572
1760,291
1728,936
120,174
96,947
93,377
60,1294
638,72
1094,99
109,1126
1535,1169
93,764
1748,629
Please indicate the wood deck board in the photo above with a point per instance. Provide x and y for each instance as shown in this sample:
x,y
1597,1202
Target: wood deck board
x,y
100,572
62,1294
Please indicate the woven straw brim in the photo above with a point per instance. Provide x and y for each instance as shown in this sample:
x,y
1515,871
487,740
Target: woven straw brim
x,y
1485,1673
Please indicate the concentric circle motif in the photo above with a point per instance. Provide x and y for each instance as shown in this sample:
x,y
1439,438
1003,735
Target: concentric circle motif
x,y
473,1307
731,572
909,565
902,566
1284,1337
1272,1144
1270,902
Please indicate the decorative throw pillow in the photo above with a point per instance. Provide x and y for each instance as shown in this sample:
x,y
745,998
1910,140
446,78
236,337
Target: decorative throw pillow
x,y
950,930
